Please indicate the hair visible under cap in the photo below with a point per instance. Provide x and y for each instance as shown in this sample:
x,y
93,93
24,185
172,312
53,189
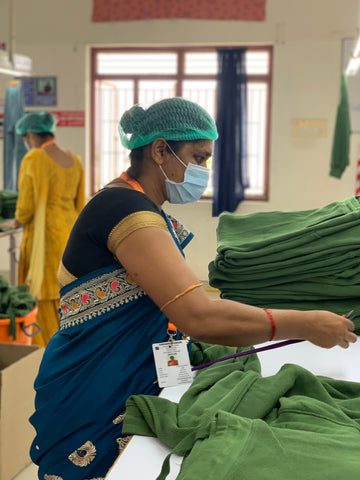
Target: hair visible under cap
x,y
36,122
173,119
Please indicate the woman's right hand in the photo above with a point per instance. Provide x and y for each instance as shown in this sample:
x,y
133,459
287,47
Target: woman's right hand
x,y
326,329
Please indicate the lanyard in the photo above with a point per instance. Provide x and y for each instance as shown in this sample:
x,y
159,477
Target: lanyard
x,y
46,144
248,352
130,181
136,186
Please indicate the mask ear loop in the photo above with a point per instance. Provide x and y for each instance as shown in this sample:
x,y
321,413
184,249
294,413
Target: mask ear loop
x,y
163,172
178,158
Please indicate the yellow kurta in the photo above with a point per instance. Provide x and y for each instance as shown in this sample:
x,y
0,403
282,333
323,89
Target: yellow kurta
x,y
50,199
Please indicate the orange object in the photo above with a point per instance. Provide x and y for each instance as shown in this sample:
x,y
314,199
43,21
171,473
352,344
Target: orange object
x,y
179,295
24,328
172,327
46,144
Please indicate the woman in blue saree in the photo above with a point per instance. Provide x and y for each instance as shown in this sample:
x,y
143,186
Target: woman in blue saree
x,y
123,278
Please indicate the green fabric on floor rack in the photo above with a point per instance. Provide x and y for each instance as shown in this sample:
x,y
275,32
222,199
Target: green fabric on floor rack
x,y
307,259
233,423
8,201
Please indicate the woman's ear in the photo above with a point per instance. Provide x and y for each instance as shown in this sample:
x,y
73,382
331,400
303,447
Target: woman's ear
x,y
158,150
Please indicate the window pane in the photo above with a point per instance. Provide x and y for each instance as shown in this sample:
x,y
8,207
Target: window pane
x,y
150,91
201,63
113,98
136,63
256,136
257,63
202,92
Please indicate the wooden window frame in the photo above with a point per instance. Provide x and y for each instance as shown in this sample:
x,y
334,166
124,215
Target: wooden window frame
x,y
179,78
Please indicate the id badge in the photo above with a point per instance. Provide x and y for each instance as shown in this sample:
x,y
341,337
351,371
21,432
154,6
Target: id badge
x,y
172,363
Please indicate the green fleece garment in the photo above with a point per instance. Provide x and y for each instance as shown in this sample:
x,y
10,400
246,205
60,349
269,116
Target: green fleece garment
x,y
305,259
341,142
233,423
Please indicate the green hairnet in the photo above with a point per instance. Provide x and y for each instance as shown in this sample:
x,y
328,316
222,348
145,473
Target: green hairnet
x,y
172,118
36,122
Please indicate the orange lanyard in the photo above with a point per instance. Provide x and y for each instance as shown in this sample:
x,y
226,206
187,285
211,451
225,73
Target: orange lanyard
x,y
46,144
130,181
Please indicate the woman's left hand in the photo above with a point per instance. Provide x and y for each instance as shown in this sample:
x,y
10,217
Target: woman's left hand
x,y
10,224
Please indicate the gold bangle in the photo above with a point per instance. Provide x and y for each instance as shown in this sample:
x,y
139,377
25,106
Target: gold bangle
x,y
187,290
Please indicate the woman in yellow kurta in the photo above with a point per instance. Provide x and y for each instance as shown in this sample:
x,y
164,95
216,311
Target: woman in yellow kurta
x,y
51,195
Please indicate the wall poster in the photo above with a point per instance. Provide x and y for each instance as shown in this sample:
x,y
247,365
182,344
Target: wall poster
x,y
39,91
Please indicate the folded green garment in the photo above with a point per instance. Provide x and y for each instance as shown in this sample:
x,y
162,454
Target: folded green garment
x,y
233,423
298,291
270,233
346,270
333,257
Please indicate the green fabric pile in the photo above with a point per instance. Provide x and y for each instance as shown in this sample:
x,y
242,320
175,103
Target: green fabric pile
x,y
302,260
8,201
233,423
14,302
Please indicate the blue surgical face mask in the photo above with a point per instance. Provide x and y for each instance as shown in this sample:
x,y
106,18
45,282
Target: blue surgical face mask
x,y
26,140
191,189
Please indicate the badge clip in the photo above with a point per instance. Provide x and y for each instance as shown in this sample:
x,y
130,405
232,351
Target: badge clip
x,y
171,331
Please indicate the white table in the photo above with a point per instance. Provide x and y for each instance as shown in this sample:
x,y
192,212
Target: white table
x,y
143,457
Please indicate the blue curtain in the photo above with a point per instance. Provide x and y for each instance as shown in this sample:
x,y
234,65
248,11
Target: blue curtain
x,y
14,148
230,151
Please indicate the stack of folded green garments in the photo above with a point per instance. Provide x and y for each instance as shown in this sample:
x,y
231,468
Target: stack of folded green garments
x,y
304,260
8,201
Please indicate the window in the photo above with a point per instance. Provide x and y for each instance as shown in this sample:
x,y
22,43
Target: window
x,y
122,77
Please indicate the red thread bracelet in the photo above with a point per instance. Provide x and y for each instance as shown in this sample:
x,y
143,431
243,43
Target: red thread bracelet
x,y
272,321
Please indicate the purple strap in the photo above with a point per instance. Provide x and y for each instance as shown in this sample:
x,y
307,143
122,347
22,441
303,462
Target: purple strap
x,y
249,352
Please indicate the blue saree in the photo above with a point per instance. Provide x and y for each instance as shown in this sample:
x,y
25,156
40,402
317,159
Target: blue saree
x,y
100,356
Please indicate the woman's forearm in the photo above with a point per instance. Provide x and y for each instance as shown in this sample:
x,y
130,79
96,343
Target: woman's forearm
x,y
231,323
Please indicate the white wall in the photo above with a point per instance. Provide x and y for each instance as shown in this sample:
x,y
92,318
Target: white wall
x,y
307,37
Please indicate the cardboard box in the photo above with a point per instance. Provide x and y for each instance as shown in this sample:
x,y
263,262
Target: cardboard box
x,y
19,365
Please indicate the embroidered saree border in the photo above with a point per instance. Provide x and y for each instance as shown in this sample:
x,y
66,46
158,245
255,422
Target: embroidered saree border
x,y
130,224
182,233
97,296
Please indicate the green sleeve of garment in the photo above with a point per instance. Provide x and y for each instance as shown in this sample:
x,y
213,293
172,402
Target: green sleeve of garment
x,y
341,141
